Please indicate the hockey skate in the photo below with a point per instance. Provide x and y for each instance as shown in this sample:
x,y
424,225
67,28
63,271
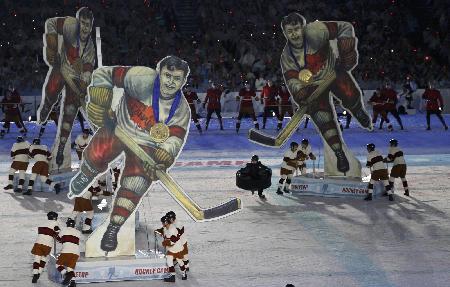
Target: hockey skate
x,y
9,186
72,284
35,278
60,155
18,190
57,188
171,278
28,192
391,197
342,162
406,192
368,197
184,276
67,278
109,240
279,191
286,189
87,231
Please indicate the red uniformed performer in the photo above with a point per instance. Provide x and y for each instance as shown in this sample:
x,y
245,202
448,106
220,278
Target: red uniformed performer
x,y
378,102
434,105
390,97
269,99
212,104
192,98
10,107
246,96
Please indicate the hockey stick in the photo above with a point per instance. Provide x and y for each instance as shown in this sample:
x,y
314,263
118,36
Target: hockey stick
x,y
193,209
314,169
267,140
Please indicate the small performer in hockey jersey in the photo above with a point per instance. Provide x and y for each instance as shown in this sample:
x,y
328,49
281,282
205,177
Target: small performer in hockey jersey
x,y
269,99
84,204
395,155
288,167
81,142
434,104
191,98
173,220
304,153
212,104
70,252
41,155
20,154
246,96
379,172
174,248
44,243
10,107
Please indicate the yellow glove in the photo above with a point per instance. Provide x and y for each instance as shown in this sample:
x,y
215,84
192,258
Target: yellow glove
x,y
161,156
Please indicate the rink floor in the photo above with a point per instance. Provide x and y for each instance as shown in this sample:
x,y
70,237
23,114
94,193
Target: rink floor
x,y
306,241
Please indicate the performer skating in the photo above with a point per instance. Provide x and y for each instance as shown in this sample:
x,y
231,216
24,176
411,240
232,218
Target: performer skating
x,y
47,234
174,248
288,167
269,99
10,107
398,170
378,102
20,155
304,153
212,104
70,252
307,60
153,113
379,172
285,100
389,96
246,96
71,69
435,104
181,235
192,98
41,155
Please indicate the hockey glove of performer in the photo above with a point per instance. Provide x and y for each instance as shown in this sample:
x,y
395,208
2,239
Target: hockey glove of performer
x,y
312,157
99,107
348,56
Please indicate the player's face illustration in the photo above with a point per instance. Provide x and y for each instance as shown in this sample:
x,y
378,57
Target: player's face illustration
x,y
85,28
171,81
294,34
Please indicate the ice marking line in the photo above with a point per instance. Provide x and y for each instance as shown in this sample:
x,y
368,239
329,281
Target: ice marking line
x,y
353,259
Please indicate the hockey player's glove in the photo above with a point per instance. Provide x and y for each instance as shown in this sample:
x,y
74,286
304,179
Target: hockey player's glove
x,y
99,107
368,165
161,156
348,56
312,157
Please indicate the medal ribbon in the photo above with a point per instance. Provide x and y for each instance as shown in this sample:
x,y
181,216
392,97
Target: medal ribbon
x,y
155,102
293,56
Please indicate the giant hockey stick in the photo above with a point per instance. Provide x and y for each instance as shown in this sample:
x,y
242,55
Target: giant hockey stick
x,y
267,140
193,209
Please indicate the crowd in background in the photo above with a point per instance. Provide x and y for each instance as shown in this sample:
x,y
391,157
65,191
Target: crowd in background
x,y
234,40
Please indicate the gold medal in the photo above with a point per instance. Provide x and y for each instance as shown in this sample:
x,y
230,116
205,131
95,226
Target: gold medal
x,y
159,132
305,75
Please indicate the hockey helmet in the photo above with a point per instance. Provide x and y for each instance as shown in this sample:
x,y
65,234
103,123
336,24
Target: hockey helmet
x,y
370,147
70,222
294,144
255,158
20,139
164,220
305,142
37,141
171,215
52,215
393,142
86,131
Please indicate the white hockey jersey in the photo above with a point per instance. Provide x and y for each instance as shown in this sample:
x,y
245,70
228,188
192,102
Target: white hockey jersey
x,y
375,160
289,160
70,239
396,155
20,151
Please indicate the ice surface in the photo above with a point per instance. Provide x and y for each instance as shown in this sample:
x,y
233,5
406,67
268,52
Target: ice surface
x,y
306,241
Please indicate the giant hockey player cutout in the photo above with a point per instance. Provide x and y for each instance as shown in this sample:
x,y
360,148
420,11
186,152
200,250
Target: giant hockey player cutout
x,y
70,54
154,115
309,64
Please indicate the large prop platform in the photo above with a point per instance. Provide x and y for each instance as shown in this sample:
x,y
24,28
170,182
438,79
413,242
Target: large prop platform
x,y
332,187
